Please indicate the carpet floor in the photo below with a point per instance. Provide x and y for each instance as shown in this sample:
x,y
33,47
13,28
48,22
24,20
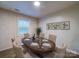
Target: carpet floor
x,y
26,53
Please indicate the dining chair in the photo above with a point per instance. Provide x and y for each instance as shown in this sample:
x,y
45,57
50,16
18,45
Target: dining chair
x,y
17,49
52,37
42,35
26,35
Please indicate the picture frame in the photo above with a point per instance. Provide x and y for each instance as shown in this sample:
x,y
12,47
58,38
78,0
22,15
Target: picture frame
x,y
65,25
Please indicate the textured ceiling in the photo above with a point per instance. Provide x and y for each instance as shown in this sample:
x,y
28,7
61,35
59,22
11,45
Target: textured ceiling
x,y
27,7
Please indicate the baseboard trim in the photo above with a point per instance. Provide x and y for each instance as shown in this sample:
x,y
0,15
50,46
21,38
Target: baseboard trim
x,y
69,50
5,49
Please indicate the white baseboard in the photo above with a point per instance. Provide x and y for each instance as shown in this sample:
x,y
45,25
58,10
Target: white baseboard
x,y
69,50
72,51
6,48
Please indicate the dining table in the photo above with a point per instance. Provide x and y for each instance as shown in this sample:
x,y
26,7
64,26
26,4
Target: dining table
x,y
39,46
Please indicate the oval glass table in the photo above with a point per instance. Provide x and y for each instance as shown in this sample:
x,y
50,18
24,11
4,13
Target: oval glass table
x,y
39,47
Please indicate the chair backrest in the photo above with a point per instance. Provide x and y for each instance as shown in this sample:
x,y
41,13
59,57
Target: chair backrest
x,y
52,37
26,35
17,48
42,35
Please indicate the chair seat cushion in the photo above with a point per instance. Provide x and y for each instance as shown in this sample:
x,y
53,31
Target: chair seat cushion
x,y
27,41
46,45
45,40
34,44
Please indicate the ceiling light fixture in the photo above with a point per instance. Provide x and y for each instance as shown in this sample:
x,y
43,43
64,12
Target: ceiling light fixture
x,y
37,3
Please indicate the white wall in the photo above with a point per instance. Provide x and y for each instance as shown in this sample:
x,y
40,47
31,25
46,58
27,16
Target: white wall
x,y
8,27
68,37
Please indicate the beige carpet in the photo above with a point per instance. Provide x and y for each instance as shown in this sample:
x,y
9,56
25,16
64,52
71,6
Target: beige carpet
x,y
18,53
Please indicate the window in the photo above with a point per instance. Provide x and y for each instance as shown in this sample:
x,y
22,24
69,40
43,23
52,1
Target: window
x,y
23,26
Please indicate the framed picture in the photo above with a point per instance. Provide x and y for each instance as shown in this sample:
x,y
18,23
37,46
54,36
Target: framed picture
x,y
65,25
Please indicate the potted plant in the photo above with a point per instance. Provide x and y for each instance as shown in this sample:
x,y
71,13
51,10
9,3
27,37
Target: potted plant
x,y
38,31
